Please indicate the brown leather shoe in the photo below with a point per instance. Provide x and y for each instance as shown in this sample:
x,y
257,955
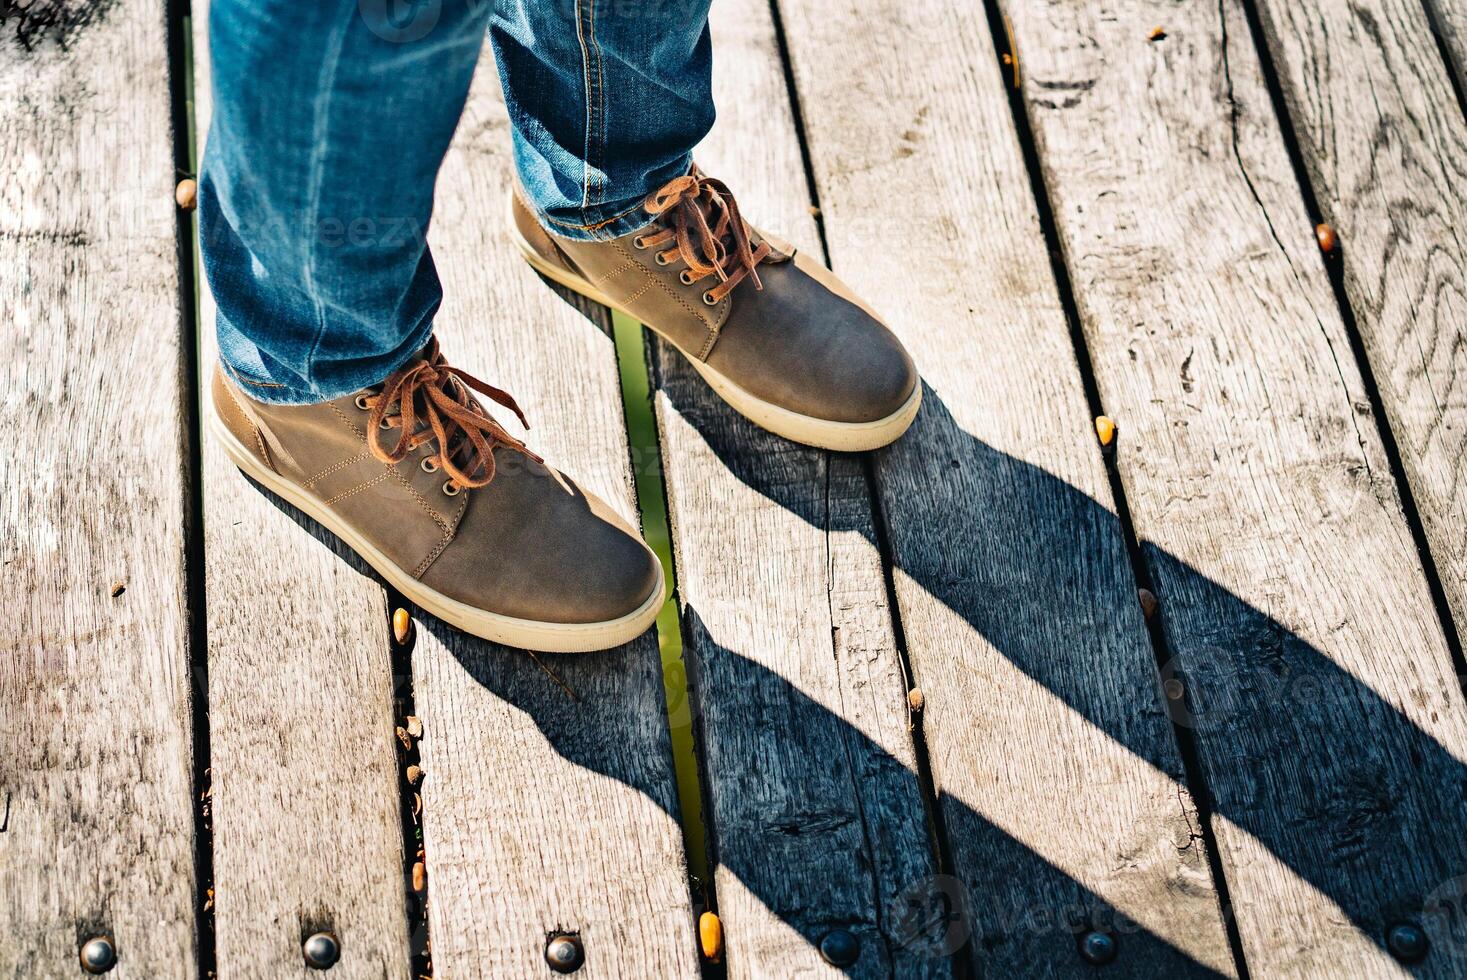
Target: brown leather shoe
x,y
775,333
448,507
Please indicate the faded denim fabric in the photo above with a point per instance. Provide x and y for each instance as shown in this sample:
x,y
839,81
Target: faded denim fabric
x,y
332,117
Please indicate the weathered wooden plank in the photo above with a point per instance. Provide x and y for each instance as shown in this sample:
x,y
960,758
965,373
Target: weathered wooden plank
x,y
543,810
307,831
1449,19
1390,174
1328,722
1061,786
96,816
811,786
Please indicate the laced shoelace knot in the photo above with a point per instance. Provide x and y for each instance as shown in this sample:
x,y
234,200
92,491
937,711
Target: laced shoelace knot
x,y
701,224
430,390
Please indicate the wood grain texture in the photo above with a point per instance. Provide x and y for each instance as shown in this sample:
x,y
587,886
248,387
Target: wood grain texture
x,y
1385,145
543,811
1329,725
307,831
1449,20
96,820
1061,786
811,785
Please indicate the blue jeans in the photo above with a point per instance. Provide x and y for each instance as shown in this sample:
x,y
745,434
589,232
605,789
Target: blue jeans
x,y
331,118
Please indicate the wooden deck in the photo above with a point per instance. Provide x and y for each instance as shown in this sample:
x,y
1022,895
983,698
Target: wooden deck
x,y
910,717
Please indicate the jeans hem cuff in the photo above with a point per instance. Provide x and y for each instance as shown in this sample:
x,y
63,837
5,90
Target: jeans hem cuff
x,y
601,230
276,393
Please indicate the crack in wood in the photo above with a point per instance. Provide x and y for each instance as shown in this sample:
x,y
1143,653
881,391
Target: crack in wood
x,y
1233,113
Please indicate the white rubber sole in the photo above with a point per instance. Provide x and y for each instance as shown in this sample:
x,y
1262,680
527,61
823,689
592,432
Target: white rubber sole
x,y
527,634
847,437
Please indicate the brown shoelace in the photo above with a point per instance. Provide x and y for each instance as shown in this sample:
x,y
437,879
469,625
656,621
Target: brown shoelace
x,y
722,248
433,391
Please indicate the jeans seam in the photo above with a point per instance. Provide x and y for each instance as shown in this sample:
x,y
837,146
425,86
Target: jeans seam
x,y
256,384
595,224
586,89
600,132
316,177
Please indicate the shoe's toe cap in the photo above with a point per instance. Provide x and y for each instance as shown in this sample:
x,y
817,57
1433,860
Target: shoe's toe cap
x,y
615,573
870,383
534,546
806,344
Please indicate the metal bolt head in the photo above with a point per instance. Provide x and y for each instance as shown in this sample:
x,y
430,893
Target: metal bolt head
x,y
564,953
1407,942
1098,947
98,955
840,947
321,950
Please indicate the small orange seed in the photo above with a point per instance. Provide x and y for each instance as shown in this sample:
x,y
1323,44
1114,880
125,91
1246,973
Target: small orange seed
x,y
710,935
1326,236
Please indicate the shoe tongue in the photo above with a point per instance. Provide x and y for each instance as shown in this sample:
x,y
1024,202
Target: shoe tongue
x,y
419,356
422,355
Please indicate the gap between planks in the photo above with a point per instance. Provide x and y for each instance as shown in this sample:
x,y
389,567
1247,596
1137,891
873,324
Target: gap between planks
x,y
1003,42
1253,515
1389,171
185,165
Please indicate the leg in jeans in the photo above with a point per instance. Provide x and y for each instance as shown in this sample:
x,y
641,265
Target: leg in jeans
x,y
330,121
607,99
605,119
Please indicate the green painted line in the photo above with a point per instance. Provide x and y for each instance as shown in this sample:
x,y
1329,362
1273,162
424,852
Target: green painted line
x,y
631,355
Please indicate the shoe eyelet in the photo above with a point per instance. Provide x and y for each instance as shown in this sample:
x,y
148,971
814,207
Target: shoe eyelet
x,y
708,299
451,489
362,403
639,243
428,465
660,259
383,424
685,277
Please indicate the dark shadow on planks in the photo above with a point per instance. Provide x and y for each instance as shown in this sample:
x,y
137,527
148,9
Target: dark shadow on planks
x,y
1354,825
1355,818
1351,819
576,731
